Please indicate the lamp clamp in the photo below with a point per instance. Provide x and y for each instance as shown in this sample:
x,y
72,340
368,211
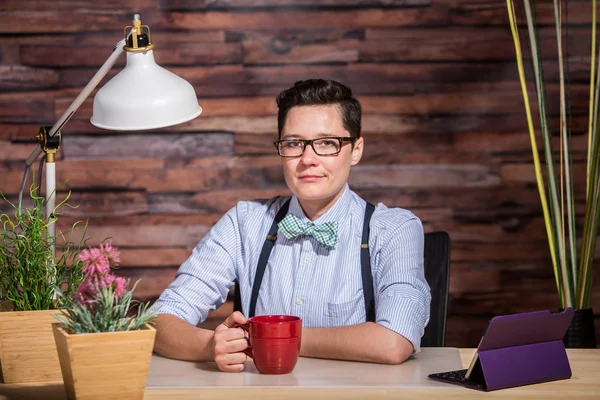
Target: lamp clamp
x,y
49,144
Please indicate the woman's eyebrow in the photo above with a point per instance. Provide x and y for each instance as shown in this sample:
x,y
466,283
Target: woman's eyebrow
x,y
296,136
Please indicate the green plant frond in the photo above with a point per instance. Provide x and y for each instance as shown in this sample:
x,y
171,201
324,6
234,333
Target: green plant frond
x,y
573,274
550,227
107,313
30,272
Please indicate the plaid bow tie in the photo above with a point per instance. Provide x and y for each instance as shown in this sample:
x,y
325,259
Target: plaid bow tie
x,y
326,234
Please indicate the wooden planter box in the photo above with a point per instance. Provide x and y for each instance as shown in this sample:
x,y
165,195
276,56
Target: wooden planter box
x,y
111,365
27,347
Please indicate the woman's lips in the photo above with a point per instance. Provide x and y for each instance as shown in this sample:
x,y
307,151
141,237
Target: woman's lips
x,y
310,178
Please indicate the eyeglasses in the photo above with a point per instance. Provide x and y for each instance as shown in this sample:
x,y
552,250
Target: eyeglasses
x,y
323,146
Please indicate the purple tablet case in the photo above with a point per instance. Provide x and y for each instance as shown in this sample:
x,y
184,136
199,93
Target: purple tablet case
x,y
521,349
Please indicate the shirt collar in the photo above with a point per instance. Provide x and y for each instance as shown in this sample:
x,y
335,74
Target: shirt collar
x,y
337,212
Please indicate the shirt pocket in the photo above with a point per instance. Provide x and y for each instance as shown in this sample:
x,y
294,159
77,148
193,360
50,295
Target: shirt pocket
x,y
344,314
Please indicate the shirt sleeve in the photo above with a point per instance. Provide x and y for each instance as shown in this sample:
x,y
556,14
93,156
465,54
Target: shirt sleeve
x,y
402,295
202,282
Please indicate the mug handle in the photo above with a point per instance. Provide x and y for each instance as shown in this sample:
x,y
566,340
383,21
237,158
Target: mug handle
x,y
245,327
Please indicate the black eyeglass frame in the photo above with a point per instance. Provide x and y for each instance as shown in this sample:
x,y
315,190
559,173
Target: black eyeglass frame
x,y
341,139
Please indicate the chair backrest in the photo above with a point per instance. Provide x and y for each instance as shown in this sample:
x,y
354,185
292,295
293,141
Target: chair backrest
x,y
437,273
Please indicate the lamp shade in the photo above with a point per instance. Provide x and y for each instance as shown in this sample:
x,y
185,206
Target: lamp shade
x,y
144,96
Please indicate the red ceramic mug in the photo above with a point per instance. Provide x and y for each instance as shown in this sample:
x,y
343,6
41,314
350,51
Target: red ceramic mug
x,y
273,342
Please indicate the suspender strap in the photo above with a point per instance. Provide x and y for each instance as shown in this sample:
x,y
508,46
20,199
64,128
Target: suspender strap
x,y
365,266
264,257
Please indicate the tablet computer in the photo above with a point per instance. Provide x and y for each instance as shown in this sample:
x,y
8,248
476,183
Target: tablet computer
x,y
517,336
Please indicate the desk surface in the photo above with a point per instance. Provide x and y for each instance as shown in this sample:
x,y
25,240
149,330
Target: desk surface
x,y
315,378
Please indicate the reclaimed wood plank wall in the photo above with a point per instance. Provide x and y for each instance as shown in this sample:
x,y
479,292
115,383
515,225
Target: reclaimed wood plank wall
x,y
443,123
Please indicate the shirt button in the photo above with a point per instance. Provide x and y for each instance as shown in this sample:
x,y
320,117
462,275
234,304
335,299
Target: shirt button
x,y
298,302
307,258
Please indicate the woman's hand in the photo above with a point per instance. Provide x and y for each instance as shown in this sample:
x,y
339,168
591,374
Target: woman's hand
x,y
229,343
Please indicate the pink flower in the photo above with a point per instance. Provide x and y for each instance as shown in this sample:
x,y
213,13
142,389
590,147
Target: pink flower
x,y
96,262
119,286
85,295
111,253
97,267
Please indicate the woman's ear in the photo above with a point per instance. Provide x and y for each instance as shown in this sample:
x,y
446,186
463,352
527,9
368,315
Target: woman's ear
x,y
357,151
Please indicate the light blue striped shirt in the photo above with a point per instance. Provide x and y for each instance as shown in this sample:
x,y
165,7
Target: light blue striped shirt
x,y
321,286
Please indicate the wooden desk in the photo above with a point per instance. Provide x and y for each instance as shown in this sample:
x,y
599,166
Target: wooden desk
x,y
315,379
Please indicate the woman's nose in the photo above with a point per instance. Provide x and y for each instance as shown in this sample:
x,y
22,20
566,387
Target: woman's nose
x,y
309,156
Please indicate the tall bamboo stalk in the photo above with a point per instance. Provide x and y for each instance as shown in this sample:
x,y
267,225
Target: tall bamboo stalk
x,y
573,274
538,175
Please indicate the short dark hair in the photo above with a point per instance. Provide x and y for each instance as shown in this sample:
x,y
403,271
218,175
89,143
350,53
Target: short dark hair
x,y
314,92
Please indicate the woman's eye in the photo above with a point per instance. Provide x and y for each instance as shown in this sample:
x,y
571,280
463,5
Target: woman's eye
x,y
327,143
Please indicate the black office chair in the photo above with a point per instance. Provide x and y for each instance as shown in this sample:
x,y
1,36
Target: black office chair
x,y
437,272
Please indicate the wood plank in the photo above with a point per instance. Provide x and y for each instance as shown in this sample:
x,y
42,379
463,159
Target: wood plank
x,y
233,4
299,19
510,142
524,250
105,164
414,176
475,12
26,5
57,21
378,156
9,54
470,204
525,173
466,330
15,151
460,44
174,180
153,257
26,110
154,236
17,77
207,203
90,204
162,39
466,278
95,55
153,281
157,146
444,103
278,52
428,215
150,220
501,231
286,38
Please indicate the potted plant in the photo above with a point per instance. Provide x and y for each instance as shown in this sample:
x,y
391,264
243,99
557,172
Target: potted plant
x,y
31,280
104,331
572,252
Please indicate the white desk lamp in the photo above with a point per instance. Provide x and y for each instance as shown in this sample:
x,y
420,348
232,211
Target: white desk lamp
x,y
142,96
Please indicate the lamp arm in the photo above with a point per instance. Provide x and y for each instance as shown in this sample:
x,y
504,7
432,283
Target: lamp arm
x,y
87,90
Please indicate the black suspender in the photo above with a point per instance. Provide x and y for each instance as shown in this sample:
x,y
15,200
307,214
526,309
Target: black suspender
x,y
264,256
365,264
